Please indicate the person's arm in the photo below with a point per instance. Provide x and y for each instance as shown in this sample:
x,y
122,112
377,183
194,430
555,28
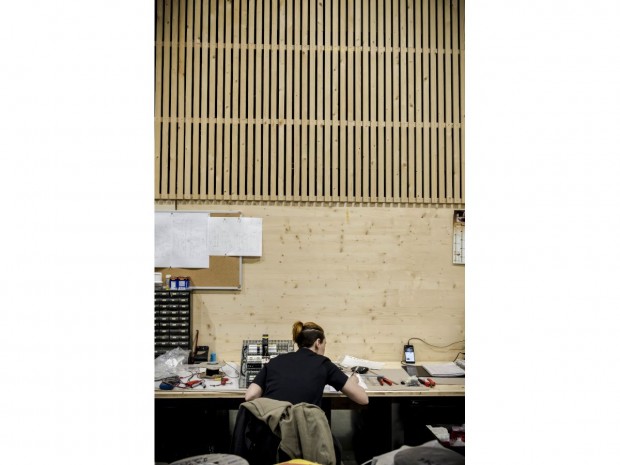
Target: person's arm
x,y
254,392
354,391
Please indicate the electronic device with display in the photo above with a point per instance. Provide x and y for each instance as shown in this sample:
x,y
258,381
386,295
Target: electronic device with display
x,y
409,354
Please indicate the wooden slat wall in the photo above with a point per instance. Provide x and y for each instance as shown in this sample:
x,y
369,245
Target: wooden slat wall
x,y
310,100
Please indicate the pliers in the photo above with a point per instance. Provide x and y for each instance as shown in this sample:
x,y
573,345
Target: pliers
x,y
383,379
428,382
194,383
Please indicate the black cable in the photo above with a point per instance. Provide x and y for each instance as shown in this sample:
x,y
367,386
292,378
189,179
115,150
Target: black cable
x,y
438,347
172,380
457,356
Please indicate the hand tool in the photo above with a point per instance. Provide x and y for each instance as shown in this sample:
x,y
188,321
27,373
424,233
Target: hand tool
x,y
428,382
383,379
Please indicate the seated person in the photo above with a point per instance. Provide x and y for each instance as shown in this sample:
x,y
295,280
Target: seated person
x,y
301,376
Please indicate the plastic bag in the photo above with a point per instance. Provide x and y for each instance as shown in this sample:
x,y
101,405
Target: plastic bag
x,y
169,364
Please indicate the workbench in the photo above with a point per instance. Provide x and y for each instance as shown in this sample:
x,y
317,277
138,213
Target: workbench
x,y
200,421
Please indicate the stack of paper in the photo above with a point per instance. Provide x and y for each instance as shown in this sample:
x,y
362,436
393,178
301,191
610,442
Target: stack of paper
x,y
446,369
349,361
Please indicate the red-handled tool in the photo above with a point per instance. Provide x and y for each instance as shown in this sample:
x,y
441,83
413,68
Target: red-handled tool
x,y
428,382
383,379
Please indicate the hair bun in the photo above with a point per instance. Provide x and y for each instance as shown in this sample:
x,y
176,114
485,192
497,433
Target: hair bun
x,y
298,327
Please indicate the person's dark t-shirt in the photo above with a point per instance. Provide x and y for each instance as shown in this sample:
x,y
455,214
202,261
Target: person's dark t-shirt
x,y
299,377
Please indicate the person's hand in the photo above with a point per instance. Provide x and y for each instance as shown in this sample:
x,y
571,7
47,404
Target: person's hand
x,y
354,389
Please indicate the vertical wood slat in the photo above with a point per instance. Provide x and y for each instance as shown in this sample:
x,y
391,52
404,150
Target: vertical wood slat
x,y
425,102
289,186
373,101
350,188
189,74
312,178
433,194
418,101
403,100
398,97
389,130
273,105
396,88
258,101
364,131
196,99
411,94
335,102
267,79
329,152
358,79
174,64
381,129
304,100
165,148
204,166
182,189
235,64
243,82
281,101
338,102
159,33
461,175
297,100
251,85
228,76
448,101
369,107
319,82
212,109
441,144
218,96
357,102
455,99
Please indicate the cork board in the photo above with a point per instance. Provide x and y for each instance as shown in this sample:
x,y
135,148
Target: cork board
x,y
223,272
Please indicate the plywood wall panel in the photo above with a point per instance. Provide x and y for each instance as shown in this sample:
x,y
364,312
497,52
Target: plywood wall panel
x,y
373,277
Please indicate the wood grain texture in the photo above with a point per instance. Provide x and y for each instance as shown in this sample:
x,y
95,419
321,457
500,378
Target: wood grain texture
x,y
373,277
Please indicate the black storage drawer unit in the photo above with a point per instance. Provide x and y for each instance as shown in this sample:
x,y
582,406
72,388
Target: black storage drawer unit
x,y
172,320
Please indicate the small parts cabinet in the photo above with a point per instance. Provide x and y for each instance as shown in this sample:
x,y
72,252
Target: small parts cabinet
x,y
172,320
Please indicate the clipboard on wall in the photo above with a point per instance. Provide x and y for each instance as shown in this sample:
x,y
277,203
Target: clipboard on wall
x,y
223,273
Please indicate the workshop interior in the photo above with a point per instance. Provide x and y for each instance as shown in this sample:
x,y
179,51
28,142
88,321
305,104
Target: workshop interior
x,y
309,165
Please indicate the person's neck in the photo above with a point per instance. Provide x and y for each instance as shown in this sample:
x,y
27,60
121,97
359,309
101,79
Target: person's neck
x,y
311,349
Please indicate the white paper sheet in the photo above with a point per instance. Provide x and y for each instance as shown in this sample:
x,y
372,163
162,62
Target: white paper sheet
x,y
163,239
241,237
181,239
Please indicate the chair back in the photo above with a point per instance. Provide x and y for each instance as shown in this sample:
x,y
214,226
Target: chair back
x,y
269,431
255,441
